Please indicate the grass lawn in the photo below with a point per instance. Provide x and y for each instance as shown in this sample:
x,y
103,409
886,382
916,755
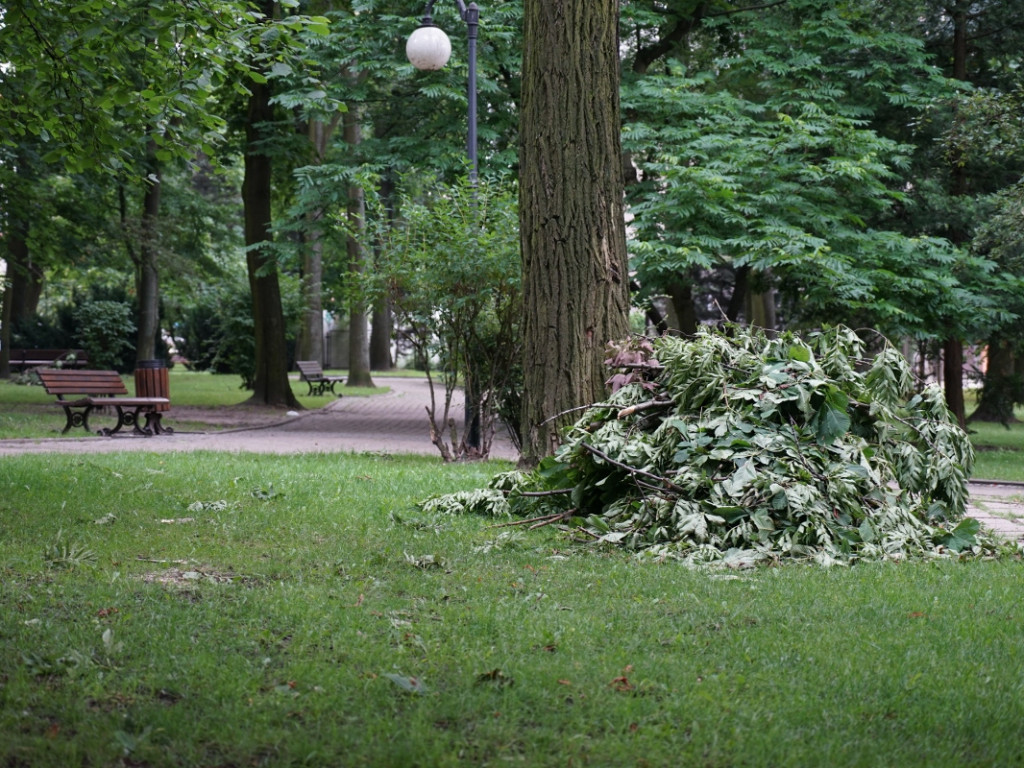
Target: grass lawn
x,y
1000,451
27,411
247,610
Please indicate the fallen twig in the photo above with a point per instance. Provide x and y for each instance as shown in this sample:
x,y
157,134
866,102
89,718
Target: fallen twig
x,y
664,481
655,403
538,522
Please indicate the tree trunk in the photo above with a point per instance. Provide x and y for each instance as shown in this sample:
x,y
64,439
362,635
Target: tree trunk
x,y
270,376
5,329
953,348
761,310
952,371
681,294
1003,386
310,344
148,279
575,277
25,276
381,327
738,298
358,328
382,319
22,287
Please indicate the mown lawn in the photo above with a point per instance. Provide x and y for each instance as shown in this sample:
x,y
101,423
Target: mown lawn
x,y
239,610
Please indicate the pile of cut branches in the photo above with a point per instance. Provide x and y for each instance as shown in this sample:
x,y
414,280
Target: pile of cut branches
x,y
738,447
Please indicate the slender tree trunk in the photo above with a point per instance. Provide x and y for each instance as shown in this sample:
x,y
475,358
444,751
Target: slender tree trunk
x,y
381,328
953,348
23,282
572,231
382,319
358,329
310,344
5,329
740,290
26,278
761,310
681,294
148,278
952,373
1003,386
270,376
24,274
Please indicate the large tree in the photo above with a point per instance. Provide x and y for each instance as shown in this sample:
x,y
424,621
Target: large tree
x,y
575,281
270,380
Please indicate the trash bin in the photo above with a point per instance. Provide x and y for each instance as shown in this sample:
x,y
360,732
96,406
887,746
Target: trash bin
x,y
151,380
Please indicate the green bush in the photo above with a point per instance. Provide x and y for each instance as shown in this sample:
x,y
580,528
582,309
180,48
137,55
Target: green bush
x,y
106,331
216,331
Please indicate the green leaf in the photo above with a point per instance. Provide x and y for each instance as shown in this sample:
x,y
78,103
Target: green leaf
x,y
800,353
737,483
963,536
832,421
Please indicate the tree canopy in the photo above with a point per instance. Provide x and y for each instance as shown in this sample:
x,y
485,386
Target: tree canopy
x,y
781,164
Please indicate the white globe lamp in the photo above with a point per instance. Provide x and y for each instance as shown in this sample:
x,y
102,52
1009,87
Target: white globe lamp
x,y
428,48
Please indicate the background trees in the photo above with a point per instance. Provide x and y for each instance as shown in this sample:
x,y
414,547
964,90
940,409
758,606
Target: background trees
x,y
785,164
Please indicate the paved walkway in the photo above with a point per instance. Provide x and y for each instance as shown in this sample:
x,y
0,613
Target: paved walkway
x,y
397,423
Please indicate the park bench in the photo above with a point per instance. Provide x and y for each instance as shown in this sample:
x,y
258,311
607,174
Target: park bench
x,y
23,359
312,373
102,389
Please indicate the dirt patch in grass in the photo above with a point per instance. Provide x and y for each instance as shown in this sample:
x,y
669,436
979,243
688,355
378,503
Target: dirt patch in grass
x,y
181,577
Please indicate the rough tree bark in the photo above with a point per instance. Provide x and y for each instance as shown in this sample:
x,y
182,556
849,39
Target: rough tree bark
x,y
270,379
147,277
1002,383
382,317
23,285
310,343
953,347
571,218
358,328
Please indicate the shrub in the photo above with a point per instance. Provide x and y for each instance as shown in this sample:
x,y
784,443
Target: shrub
x,y
106,331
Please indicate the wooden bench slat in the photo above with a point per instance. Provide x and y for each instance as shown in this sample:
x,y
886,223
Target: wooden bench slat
x,y
34,358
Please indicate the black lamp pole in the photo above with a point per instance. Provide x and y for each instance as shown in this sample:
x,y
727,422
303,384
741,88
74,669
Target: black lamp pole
x,y
471,15
429,48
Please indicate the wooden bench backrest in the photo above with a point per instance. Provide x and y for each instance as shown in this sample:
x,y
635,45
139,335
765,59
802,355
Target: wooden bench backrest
x,y
309,369
65,381
49,355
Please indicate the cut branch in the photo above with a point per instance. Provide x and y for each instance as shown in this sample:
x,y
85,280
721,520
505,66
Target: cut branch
x,y
664,482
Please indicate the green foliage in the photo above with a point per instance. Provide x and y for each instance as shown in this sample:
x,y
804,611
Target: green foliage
x,y
62,553
216,330
740,448
95,81
772,156
105,329
453,267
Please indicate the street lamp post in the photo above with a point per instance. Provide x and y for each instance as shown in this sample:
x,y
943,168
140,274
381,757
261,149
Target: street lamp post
x,y
429,48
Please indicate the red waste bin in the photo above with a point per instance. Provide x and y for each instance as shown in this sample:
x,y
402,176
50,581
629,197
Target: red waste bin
x,y
151,380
